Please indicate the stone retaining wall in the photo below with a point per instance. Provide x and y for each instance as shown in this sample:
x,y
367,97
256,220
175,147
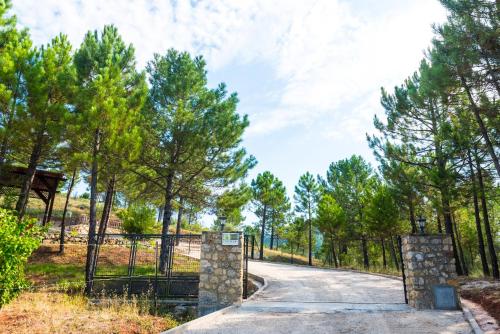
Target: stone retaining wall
x,y
69,238
428,261
221,273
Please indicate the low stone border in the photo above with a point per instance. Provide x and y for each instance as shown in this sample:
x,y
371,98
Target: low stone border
x,y
261,288
180,329
472,321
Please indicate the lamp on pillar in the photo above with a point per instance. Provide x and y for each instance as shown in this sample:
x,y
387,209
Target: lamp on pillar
x,y
421,224
222,220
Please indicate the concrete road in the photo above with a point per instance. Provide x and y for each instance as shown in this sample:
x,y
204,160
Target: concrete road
x,y
310,300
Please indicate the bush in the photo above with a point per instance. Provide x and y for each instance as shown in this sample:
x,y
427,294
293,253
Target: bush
x,y
138,219
18,239
85,195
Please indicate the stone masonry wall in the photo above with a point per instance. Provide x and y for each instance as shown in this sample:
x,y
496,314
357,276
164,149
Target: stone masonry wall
x,y
221,273
428,260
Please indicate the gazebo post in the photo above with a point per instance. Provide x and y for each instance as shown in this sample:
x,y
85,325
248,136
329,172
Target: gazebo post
x,y
51,205
44,219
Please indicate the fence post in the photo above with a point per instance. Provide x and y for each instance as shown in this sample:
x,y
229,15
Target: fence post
x,y
400,246
131,263
245,269
156,276
253,245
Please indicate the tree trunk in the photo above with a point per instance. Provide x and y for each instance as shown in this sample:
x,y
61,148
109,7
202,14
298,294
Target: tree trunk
x,y
366,262
412,215
482,127
440,227
261,250
91,244
160,214
393,253
489,236
334,253
63,220
106,210
482,252
272,234
167,214
384,260
449,230
179,220
30,175
459,244
310,234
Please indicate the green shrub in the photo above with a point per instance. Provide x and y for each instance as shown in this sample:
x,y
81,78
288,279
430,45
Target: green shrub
x,y
18,239
85,195
138,219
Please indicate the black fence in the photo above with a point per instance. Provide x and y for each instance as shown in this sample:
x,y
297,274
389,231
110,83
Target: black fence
x,y
246,247
130,264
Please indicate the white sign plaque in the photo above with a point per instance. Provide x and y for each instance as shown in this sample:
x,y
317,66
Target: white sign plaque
x,y
230,239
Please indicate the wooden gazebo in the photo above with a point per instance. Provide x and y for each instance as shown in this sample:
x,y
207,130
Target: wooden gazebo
x,y
44,185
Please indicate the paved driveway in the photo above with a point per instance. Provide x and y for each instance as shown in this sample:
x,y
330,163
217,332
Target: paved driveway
x,y
310,300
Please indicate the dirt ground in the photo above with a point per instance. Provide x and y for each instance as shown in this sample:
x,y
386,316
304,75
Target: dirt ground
x,y
486,294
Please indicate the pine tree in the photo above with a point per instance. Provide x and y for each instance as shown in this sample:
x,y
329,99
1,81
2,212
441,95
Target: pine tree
x,y
231,203
331,221
109,97
306,197
41,125
263,188
349,182
192,134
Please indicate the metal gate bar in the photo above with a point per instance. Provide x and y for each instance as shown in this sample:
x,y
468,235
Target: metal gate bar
x,y
245,266
129,264
400,246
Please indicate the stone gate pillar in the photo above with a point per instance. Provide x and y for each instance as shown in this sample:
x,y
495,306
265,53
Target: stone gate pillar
x,y
221,272
429,263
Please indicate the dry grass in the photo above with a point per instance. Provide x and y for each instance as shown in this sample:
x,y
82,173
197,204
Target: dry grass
x,y
281,256
44,312
78,206
273,255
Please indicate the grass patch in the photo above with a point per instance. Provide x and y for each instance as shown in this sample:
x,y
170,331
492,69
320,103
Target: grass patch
x,y
53,273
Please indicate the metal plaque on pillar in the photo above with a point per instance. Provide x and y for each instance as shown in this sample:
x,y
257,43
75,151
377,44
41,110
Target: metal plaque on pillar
x,y
230,239
445,297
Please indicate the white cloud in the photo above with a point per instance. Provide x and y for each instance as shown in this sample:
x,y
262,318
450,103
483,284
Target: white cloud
x,y
327,55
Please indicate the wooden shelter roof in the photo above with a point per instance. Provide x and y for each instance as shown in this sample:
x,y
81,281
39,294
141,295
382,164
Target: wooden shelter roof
x,y
44,181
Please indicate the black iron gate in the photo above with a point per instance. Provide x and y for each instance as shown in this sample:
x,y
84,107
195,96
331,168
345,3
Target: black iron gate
x,y
403,275
245,265
130,264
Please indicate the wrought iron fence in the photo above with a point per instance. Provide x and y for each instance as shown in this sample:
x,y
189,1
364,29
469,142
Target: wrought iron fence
x,y
130,263
246,247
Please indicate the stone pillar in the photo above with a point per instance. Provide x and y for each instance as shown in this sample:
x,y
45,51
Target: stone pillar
x,y
428,261
221,273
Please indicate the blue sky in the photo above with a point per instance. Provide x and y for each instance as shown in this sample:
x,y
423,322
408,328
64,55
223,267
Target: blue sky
x,y
308,73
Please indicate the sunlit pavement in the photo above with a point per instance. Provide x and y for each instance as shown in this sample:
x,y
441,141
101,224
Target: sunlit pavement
x,y
300,299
